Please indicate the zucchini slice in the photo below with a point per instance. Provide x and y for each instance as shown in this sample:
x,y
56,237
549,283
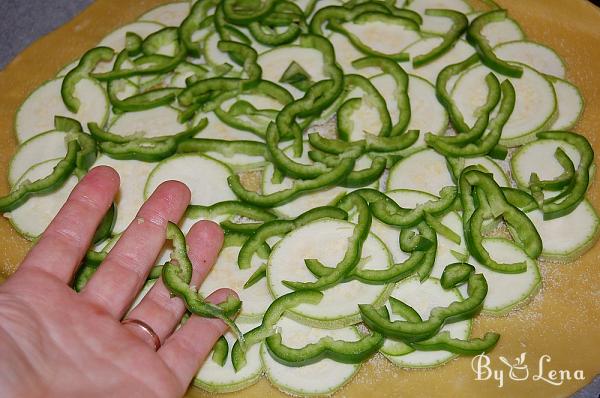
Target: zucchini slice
x,y
43,147
326,240
222,379
319,378
535,104
156,122
36,114
197,172
566,238
32,217
506,291
425,170
570,104
539,57
423,297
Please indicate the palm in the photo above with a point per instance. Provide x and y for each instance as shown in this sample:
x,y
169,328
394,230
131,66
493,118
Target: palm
x,y
57,342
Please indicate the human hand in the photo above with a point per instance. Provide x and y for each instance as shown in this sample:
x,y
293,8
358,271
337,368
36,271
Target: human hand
x,y
56,342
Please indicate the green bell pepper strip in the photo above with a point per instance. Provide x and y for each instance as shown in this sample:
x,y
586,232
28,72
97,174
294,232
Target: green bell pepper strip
x,y
404,310
155,272
424,268
261,117
389,212
193,22
441,90
261,272
269,36
327,347
459,26
145,150
372,97
245,228
177,274
104,230
86,65
353,252
443,341
84,274
87,145
223,84
282,227
231,208
146,65
377,17
243,12
284,13
371,143
489,141
493,205
392,68
558,183
224,147
411,241
133,44
61,172
553,208
328,179
481,43
348,12
106,136
520,199
411,332
155,40
238,240
475,132
356,178
296,76
272,315
456,274
441,229
220,351
146,100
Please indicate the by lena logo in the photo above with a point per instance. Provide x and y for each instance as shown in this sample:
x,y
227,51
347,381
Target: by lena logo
x,y
518,370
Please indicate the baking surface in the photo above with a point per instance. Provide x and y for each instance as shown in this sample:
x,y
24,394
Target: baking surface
x,y
561,321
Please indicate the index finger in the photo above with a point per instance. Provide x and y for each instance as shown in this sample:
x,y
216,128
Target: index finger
x,y
64,243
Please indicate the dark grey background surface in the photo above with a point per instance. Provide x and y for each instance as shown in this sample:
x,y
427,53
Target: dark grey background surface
x,y
23,21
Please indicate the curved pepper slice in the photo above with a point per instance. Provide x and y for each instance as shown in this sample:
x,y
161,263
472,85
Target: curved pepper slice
x,y
417,331
356,178
62,171
489,141
86,65
459,26
392,68
327,347
330,178
456,274
353,252
220,351
473,133
282,227
270,319
389,212
243,12
443,341
193,22
370,144
476,37
177,274
491,203
224,147
231,208
575,193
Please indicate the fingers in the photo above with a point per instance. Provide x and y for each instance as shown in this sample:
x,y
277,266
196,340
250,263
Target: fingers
x,y
189,346
158,309
120,277
64,243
